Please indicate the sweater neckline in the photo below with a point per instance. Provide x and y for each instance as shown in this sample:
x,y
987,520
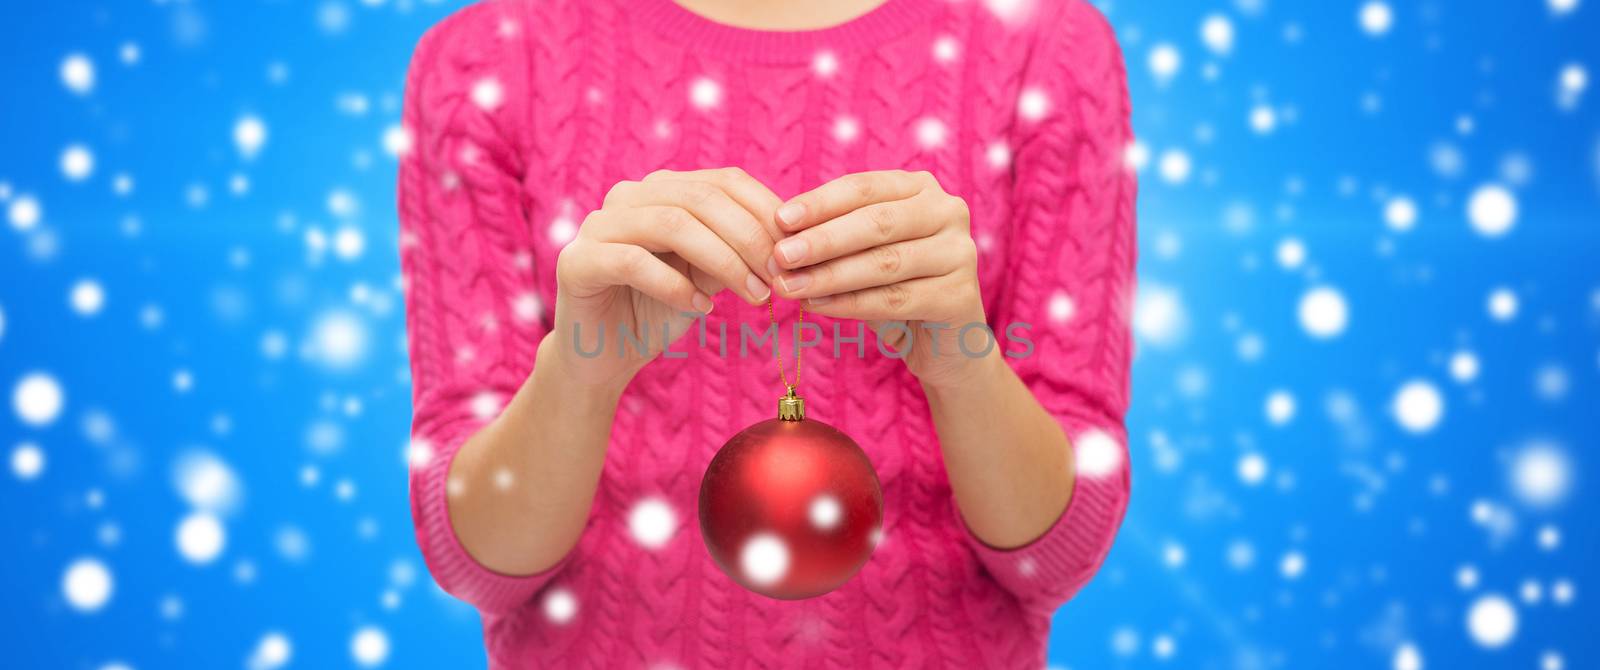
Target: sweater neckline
x,y
879,25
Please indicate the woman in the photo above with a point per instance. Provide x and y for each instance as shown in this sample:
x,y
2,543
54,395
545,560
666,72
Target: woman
x,y
589,163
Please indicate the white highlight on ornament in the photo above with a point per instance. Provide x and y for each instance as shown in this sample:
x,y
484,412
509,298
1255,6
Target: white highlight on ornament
x,y
201,538
1541,475
1216,31
272,652
1407,657
1097,453
560,606
1376,18
369,647
249,135
931,132
1400,214
488,94
27,461
87,297
77,163
705,93
87,585
1502,304
1492,621
825,512
1323,313
1252,469
206,482
1164,62
1033,104
1492,210
764,560
1464,366
1418,406
38,399
652,523
1280,407
77,73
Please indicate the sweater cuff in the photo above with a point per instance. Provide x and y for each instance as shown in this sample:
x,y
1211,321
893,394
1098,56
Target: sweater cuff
x,y
455,570
1049,570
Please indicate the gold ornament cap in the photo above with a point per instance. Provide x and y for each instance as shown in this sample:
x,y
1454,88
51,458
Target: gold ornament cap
x,y
791,407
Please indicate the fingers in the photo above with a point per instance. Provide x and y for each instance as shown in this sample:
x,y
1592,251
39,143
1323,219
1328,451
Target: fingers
x,y
730,202
860,229
876,266
750,193
849,193
902,301
589,267
660,228
725,216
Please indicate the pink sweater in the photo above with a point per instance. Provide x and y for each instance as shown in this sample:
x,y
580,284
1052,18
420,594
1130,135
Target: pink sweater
x,y
524,113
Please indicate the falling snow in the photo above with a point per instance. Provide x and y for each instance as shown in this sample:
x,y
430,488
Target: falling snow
x,y
1361,393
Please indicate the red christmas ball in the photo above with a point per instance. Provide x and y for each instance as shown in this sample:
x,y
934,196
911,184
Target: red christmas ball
x,y
790,509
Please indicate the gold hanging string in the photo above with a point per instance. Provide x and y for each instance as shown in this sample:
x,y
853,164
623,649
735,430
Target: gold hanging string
x,y
791,407
777,344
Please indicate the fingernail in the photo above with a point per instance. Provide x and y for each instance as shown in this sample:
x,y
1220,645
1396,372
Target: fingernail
x,y
795,282
791,213
772,267
793,250
820,300
758,289
702,303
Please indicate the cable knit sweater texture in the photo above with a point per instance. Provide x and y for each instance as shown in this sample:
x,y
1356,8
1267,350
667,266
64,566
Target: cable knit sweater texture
x,y
523,113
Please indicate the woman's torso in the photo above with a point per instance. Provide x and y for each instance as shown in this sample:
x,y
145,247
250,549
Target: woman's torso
x,y
610,90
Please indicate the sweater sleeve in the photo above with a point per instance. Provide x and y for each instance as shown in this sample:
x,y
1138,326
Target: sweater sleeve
x,y
1071,277
474,319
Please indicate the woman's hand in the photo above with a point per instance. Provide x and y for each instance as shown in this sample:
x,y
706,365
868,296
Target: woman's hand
x,y
658,249
894,249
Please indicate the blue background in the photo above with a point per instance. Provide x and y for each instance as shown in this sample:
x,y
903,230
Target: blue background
x,y
220,270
